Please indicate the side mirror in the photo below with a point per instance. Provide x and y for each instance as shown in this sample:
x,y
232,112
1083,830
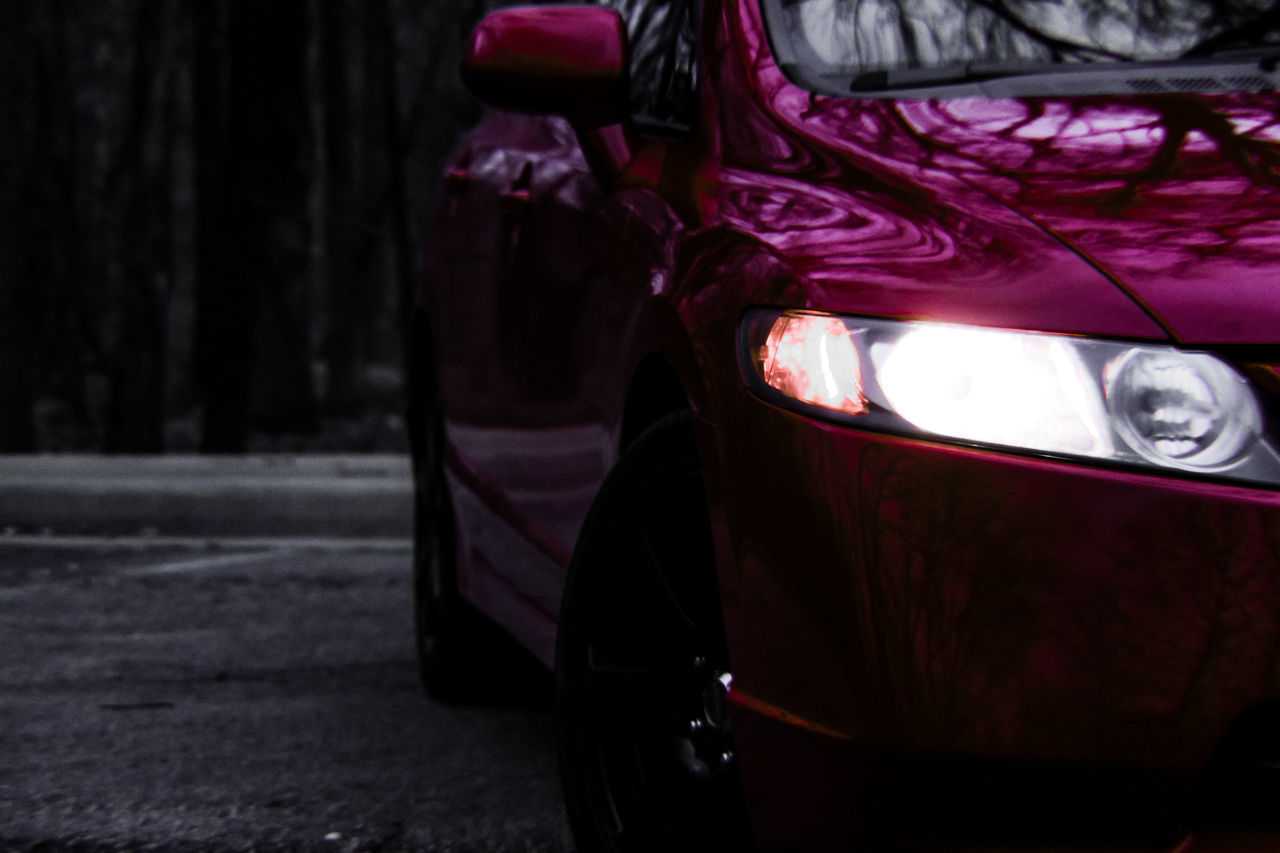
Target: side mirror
x,y
569,60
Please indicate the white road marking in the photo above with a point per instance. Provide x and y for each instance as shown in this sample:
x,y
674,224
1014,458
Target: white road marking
x,y
201,564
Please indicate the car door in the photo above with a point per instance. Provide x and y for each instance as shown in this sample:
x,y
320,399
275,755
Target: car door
x,y
513,273
533,309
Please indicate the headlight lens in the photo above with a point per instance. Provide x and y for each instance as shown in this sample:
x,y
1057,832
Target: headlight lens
x,y
996,387
1053,394
813,359
1188,410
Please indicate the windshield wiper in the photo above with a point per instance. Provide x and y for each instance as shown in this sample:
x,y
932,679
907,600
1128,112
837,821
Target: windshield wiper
x,y
920,78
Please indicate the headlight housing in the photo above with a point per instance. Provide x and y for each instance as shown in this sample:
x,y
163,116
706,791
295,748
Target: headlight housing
x,y
1058,395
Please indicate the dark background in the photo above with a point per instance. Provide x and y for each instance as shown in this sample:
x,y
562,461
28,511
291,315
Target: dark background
x,y
211,213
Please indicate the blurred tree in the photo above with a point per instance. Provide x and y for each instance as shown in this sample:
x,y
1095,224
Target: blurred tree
x,y
20,87
226,307
253,152
137,199
274,163
210,211
355,59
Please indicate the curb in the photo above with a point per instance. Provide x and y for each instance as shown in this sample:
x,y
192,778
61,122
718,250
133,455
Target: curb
x,y
263,495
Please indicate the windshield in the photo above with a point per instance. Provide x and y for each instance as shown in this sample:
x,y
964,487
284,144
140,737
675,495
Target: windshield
x,y
851,37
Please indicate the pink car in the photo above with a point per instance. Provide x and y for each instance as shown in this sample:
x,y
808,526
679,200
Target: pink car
x,y
870,409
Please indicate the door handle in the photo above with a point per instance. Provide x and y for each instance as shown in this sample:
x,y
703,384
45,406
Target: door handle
x,y
456,179
516,199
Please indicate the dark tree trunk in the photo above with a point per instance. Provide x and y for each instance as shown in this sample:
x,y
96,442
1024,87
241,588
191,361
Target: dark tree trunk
x,y
276,150
253,353
343,215
19,94
226,303
138,192
397,152
17,349
371,255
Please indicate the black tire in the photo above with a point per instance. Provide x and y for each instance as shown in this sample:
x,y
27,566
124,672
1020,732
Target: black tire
x,y
640,657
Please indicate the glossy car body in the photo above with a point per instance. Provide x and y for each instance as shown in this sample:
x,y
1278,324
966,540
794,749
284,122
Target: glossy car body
x,y
931,642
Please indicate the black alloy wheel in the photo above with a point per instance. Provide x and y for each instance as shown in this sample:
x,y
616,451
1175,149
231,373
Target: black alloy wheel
x,y
642,668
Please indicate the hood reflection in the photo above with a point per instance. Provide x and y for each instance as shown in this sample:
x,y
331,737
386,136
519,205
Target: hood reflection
x,y
987,205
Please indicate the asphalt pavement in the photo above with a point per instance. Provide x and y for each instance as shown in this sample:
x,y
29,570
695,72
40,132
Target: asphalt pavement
x,y
216,654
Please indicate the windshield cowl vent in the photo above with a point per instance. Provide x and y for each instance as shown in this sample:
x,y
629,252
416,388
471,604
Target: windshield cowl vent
x,y
1159,85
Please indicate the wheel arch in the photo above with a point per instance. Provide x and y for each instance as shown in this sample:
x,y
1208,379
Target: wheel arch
x,y
655,392
660,374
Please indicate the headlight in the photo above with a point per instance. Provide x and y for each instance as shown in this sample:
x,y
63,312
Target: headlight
x,y
1187,410
812,359
1140,404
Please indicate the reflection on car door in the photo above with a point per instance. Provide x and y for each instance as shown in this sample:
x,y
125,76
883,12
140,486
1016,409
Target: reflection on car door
x,y
519,269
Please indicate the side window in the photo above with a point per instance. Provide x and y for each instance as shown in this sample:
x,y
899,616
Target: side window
x,y
663,37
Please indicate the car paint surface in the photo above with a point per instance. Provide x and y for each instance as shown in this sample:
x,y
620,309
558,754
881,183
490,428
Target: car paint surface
x,y
1175,197
890,603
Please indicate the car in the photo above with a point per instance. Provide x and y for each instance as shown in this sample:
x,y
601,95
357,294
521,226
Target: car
x,y
868,410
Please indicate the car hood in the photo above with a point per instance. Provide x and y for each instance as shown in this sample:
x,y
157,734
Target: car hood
x,y
1133,215
1176,198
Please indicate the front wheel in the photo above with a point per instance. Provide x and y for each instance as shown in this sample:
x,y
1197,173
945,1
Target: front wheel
x,y
642,668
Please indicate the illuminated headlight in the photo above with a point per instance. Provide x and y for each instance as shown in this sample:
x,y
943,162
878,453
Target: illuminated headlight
x,y
1058,395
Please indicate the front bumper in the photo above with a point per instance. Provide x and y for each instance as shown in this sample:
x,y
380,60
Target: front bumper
x,y
948,620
